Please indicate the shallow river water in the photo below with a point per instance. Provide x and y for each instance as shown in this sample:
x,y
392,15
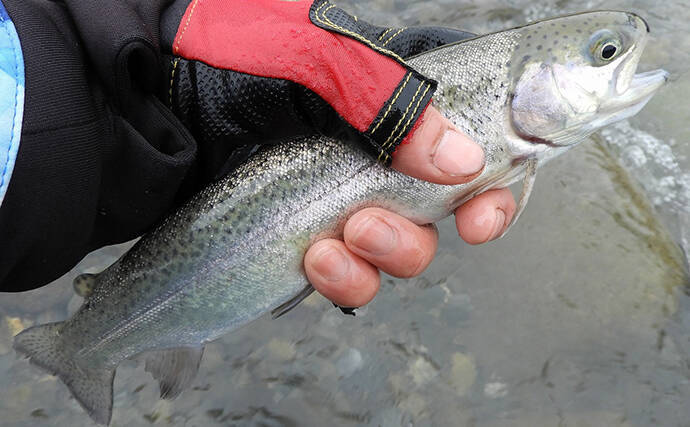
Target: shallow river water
x,y
580,317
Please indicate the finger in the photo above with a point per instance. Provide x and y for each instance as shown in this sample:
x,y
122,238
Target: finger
x,y
390,242
486,216
437,152
339,275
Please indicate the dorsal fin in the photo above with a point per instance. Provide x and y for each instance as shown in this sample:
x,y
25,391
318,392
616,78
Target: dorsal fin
x,y
174,368
527,185
84,284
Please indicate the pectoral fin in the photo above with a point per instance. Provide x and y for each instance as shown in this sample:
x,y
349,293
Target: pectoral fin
x,y
292,303
174,368
527,185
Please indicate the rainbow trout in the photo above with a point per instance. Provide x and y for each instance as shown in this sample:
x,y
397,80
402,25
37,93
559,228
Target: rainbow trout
x,y
234,251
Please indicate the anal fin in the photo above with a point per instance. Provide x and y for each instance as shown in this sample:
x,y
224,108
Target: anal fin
x,y
174,368
527,185
293,302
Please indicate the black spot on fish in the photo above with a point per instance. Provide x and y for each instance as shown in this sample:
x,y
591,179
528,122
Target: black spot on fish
x,y
539,47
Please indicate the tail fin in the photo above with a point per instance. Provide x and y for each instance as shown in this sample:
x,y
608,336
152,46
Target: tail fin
x,y
93,388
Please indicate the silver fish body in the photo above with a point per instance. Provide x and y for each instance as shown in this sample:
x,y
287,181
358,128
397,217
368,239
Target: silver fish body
x,y
234,252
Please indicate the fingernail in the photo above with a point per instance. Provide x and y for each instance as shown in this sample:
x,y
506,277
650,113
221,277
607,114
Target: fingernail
x,y
331,264
457,155
374,236
499,225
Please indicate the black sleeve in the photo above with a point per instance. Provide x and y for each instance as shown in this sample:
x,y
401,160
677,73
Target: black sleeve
x,y
100,158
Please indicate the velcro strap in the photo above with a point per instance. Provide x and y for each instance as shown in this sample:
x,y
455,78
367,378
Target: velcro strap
x,y
400,114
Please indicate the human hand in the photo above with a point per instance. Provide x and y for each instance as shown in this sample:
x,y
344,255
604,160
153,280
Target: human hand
x,y
335,75
347,272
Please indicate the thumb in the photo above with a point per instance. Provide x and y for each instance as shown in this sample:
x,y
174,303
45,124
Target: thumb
x,y
438,152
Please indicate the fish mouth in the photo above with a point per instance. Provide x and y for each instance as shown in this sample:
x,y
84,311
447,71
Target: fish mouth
x,y
641,89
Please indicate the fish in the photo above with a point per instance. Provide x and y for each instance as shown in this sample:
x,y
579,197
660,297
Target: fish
x,y
234,251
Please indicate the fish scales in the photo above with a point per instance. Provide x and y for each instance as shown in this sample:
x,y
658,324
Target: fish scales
x,y
235,250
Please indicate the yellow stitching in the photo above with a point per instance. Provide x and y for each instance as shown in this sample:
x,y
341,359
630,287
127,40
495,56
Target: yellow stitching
x,y
391,139
392,102
355,16
394,36
384,34
404,116
189,18
381,154
172,80
350,33
319,8
419,101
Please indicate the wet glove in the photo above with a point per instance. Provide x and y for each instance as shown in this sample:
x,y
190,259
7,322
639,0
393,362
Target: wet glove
x,y
102,157
257,72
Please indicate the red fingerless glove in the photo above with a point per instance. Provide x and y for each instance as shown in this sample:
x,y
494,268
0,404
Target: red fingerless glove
x,y
256,72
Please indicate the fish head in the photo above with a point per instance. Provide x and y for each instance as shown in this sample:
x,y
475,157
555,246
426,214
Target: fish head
x,y
576,74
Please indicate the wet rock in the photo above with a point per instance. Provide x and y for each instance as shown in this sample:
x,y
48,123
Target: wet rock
x,y
9,327
388,417
5,339
422,371
37,301
416,405
349,362
565,419
463,373
281,349
495,389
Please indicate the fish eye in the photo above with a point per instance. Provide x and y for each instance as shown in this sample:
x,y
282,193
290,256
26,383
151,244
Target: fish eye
x,y
604,47
608,51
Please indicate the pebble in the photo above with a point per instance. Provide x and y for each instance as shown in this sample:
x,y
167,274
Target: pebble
x,y
281,349
349,362
9,327
495,390
463,373
422,371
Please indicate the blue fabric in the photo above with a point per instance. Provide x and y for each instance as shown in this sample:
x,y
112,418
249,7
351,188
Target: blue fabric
x,y
11,98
